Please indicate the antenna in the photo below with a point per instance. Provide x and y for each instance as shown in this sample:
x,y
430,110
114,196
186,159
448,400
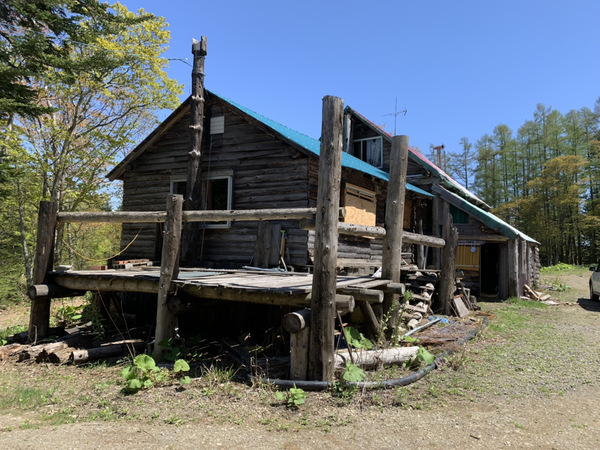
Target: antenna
x,y
396,113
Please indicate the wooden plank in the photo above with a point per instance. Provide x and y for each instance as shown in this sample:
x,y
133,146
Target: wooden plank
x,y
459,307
373,325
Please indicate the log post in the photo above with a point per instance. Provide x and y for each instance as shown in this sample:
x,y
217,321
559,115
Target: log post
x,y
448,273
193,193
321,358
436,226
513,268
394,220
39,319
298,325
165,319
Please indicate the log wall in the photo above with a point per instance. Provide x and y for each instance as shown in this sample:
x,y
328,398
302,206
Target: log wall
x,y
267,173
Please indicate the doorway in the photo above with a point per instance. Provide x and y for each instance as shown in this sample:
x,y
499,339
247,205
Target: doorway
x,y
490,265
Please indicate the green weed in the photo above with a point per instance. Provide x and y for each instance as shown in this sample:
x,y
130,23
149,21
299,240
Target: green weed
x,y
292,398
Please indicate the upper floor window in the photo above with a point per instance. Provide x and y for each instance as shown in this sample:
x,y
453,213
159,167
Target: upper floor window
x,y
370,150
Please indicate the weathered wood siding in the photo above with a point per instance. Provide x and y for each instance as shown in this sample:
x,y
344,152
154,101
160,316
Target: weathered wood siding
x,y
266,172
359,251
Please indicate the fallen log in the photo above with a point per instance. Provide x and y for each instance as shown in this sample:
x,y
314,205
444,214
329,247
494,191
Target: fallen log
x,y
40,352
61,356
106,351
375,358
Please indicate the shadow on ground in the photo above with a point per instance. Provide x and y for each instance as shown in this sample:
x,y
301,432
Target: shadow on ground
x,y
588,304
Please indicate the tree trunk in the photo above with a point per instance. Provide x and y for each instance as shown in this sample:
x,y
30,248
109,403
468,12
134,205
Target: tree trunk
x,y
23,232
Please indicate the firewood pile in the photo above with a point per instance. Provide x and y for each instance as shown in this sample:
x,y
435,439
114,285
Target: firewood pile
x,y
77,345
420,287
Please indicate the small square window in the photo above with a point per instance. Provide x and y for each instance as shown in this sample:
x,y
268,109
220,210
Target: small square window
x,y
217,125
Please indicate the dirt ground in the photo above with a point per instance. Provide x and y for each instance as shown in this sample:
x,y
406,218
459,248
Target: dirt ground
x,y
535,387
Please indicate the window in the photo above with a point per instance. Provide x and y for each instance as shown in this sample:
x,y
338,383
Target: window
x,y
370,150
216,195
178,186
217,125
458,215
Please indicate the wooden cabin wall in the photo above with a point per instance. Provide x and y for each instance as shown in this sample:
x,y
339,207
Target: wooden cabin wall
x,y
266,173
146,184
359,251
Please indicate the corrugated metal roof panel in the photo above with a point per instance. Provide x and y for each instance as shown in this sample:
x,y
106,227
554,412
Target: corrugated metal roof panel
x,y
486,217
314,146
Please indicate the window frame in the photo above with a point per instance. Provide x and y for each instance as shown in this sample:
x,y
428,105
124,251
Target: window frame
x,y
362,156
205,180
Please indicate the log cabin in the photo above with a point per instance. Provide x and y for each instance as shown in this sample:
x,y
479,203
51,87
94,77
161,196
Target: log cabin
x,y
493,257
251,162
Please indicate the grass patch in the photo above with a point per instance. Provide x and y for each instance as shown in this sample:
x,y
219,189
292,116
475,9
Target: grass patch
x,y
26,398
6,332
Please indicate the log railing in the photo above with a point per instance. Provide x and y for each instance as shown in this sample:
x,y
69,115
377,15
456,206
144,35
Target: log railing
x,y
327,229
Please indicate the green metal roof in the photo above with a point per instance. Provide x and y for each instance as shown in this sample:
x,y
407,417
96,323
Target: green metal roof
x,y
486,217
314,146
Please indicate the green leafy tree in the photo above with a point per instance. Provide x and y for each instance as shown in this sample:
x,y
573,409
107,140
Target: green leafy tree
x,y
38,35
96,116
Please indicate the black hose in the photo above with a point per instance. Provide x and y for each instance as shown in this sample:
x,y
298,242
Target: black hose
x,y
404,381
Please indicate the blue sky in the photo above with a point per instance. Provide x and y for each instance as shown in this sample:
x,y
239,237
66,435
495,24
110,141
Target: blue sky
x,y
459,68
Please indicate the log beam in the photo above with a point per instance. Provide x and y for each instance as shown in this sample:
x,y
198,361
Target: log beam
x,y
39,291
379,232
191,216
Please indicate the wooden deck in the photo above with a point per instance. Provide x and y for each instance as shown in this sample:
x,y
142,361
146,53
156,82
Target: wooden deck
x,y
252,286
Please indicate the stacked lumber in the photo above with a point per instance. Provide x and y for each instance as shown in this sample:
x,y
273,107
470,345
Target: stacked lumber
x,y
463,302
132,263
421,285
530,294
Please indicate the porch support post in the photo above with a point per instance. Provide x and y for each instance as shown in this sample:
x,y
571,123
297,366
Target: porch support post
x,y
513,268
321,348
39,319
165,318
448,269
394,221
